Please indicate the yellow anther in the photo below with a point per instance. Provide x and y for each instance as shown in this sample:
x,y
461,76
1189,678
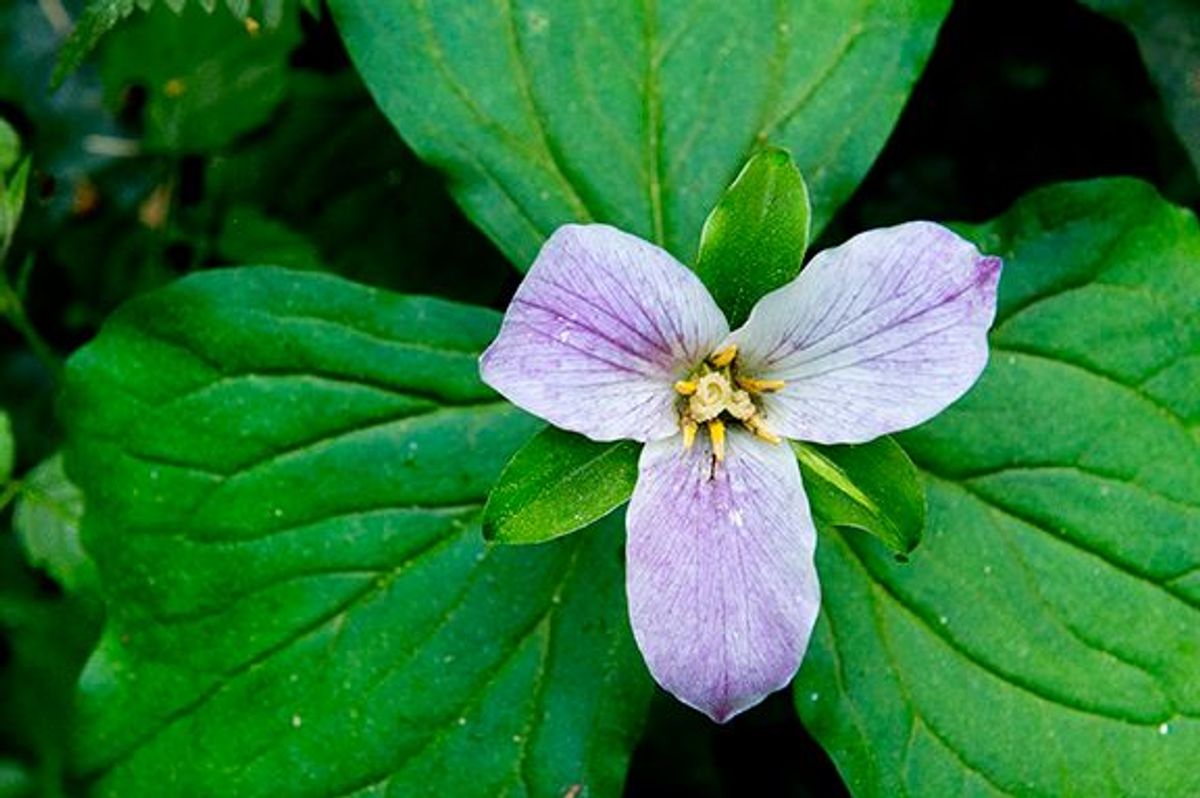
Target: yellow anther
x,y
689,428
685,387
252,26
760,386
756,425
174,87
716,432
723,357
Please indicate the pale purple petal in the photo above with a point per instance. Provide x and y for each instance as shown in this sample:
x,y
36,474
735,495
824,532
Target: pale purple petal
x,y
874,336
722,588
599,330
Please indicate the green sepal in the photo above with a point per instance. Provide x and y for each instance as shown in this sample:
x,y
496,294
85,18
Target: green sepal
x,y
755,238
872,487
558,483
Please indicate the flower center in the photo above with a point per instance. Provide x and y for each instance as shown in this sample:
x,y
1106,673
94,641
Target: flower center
x,y
715,395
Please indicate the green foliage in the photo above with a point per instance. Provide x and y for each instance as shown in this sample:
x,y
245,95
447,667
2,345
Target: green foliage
x,y
638,115
285,474
6,449
1043,639
755,238
558,483
207,77
872,487
1168,35
46,519
102,16
10,146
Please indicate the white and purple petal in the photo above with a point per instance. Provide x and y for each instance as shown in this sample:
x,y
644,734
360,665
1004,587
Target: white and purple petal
x,y
722,587
874,336
597,333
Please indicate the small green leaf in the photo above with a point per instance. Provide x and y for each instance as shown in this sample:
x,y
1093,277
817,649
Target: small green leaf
x,y
208,78
10,147
6,449
559,483
872,487
46,519
97,19
755,238
251,236
13,200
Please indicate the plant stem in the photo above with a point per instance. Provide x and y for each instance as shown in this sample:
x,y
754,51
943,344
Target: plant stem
x,y
12,308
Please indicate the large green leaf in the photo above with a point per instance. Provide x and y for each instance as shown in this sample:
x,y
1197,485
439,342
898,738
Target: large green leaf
x,y
1045,638
637,114
284,476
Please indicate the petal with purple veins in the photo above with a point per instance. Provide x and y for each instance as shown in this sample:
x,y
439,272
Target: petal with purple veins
x,y
722,588
597,333
874,336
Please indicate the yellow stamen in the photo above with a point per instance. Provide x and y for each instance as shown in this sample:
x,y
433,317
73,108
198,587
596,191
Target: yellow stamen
x,y
756,425
252,26
723,357
716,431
760,386
689,432
686,387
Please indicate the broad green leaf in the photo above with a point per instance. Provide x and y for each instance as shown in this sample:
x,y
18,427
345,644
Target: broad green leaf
x,y
635,114
871,487
99,17
208,78
284,476
1045,638
559,483
1168,35
754,239
46,519
6,449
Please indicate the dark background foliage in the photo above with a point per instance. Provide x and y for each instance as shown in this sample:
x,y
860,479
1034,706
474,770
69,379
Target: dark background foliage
x,y
1018,93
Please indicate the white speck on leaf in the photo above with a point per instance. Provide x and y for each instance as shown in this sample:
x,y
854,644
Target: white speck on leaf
x,y
1165,728
296,721
813,696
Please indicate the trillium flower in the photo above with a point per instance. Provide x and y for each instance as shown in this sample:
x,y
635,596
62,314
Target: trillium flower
x,y
610,337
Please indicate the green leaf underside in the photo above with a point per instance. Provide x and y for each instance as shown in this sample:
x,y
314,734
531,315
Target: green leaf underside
x,y
284,475
635,114
754,240
1044,640
872,487
559,483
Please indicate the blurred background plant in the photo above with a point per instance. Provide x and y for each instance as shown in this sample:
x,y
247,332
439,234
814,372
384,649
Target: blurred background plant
x,y
193,137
